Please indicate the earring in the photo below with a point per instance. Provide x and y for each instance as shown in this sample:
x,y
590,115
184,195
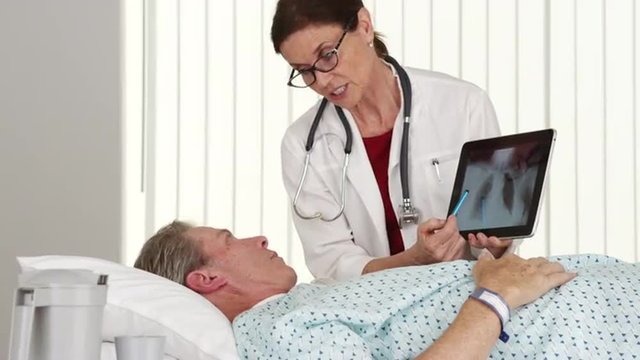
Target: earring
x,y
371,44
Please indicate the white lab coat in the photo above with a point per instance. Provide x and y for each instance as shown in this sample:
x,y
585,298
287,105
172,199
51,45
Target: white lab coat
x,y
446,112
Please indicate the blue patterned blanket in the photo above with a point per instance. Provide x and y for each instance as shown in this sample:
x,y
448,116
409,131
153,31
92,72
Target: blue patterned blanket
x,y
396,314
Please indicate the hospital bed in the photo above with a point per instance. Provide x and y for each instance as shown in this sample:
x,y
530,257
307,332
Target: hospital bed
x,y
140,303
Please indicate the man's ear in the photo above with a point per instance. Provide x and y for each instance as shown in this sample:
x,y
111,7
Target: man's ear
x,y
205,281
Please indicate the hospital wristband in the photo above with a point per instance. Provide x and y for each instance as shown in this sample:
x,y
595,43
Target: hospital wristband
x,y
497,304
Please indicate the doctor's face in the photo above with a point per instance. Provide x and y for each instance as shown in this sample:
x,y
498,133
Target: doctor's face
x,y
346,83
244,262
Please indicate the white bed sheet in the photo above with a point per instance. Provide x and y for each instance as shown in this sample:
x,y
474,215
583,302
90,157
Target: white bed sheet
x,y
109,352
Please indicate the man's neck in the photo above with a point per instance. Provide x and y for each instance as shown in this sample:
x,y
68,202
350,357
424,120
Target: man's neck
x,y
233,304
231,309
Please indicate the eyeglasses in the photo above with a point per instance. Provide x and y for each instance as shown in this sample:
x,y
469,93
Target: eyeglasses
x,y
326,62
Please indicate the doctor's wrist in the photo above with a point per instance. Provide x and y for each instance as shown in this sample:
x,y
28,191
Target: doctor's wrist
x,y
413,256
416,255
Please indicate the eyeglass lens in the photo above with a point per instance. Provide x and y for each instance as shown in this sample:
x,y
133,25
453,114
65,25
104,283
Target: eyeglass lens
x,y
307,77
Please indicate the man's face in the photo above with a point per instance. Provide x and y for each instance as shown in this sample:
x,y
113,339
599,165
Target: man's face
x,y
244,262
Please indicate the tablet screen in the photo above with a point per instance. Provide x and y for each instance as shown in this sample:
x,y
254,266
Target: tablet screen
x,y
499,184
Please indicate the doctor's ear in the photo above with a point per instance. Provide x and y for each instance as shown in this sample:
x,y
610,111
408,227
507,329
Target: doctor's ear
x,y
205,282
365,24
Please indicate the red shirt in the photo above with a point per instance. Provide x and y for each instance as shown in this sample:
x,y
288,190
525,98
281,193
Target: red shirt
x,y
378,149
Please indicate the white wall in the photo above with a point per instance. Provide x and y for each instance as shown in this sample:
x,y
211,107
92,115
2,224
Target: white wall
x,y
60,134
218,107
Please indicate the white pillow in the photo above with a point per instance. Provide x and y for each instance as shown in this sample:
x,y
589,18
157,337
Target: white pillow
x,y
141,303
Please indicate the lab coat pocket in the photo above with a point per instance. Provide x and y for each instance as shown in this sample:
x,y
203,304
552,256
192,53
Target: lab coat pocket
x,y
440,172
441,167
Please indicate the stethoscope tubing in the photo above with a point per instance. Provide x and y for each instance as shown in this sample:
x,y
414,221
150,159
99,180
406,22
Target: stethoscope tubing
x,y
405,84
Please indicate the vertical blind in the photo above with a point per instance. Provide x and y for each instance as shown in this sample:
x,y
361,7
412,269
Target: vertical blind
x,y
208,105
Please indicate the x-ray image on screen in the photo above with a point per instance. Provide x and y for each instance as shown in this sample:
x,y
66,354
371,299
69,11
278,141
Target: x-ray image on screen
x,y
501,186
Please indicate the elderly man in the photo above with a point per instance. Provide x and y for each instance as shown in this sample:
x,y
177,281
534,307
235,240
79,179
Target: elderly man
x,y
424,311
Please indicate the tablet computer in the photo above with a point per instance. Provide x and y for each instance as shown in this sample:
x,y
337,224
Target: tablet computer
x,y
500,182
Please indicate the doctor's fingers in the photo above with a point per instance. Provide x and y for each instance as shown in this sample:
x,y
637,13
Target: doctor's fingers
x,y
450,229
441,241
430,226
481,241
492,241
457,249
444,237
448,250
449,241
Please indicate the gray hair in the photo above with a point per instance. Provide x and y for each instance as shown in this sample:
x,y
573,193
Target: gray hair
x,y
170,253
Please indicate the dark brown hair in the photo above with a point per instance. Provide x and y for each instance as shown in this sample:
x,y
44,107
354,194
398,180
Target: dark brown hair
x,y
295,15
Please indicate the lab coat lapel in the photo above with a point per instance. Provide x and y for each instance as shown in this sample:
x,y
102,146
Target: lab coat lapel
x,y
396,143
360,175
395,186
396,140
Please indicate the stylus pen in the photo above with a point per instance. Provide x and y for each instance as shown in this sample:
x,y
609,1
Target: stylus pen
x,y
460,202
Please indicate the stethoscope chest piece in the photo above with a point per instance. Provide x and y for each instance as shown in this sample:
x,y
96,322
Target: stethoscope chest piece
x,y
408,214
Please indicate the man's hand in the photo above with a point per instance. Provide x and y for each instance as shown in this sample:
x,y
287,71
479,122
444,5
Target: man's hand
x,y
517,280
496,246
439,240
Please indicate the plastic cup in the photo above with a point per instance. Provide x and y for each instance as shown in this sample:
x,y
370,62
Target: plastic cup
x,y
140,347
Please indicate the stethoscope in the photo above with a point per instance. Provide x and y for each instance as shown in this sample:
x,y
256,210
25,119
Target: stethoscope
x,y
408,213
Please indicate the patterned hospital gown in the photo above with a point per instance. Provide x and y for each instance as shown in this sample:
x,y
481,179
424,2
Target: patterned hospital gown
x,y
396,314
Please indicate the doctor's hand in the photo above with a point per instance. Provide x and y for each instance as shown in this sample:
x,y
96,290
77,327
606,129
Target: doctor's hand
x,y
439,240
496,246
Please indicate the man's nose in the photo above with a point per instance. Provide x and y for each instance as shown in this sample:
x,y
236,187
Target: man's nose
x,y
260,241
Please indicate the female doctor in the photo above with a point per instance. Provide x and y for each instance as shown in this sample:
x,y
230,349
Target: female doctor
x,y
378,155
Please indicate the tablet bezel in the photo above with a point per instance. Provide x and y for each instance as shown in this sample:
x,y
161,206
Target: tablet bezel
x,y
546,138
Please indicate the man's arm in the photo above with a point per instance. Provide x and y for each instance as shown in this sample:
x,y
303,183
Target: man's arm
x,y
476,328
470,336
